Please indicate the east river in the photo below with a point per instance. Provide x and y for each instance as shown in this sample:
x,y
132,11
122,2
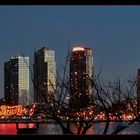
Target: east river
x,y
53,128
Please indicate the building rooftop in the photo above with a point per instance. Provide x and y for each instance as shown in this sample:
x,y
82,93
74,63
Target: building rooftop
x,y
80,48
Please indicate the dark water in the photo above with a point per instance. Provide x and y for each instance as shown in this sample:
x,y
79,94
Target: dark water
x,y
96,129
53,128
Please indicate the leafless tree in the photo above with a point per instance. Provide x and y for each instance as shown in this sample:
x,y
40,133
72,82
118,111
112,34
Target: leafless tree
x,y
108,97
114,98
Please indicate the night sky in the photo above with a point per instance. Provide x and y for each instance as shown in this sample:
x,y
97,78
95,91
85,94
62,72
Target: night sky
x,y
113,32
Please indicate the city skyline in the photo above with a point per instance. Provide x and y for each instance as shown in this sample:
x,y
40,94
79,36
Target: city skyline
x,y
111,31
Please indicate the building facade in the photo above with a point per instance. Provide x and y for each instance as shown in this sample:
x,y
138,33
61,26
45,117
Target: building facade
x,y
81,76
16,80
44,75
138,90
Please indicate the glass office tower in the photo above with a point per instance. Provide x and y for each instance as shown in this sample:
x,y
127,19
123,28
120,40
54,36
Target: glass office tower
x,y
16,80
44,75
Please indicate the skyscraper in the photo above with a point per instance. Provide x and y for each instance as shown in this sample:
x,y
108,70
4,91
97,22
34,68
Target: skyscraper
x,y
44,75
16,80
81,75
138,90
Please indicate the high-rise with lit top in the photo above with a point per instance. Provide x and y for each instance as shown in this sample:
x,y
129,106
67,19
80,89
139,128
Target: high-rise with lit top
x,y
81,76
44,75
16,80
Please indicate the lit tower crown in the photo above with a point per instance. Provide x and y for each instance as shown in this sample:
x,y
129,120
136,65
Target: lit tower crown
x,y
78,48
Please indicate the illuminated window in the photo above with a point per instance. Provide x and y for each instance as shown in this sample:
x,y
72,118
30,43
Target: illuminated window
x,y
75,73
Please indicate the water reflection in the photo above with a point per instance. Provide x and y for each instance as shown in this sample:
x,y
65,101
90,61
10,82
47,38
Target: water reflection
x,y
8,128
49,128
54,128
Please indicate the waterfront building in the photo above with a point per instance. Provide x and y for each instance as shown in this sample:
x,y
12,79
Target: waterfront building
x,y
44,75
81,77
16,80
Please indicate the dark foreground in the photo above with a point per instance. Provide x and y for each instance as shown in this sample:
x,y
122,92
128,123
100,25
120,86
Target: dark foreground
x,y
70,137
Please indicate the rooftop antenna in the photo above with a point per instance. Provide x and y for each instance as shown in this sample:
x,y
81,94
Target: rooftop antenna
x,y
69,47
22,54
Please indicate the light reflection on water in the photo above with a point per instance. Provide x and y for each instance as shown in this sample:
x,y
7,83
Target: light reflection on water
x,y
98,128
8,128
53,128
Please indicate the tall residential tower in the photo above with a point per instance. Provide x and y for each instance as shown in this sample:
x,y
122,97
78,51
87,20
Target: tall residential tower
x,y
44,75
81,76
16,80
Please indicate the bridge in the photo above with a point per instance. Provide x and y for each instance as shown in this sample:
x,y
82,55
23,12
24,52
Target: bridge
x,y
51,121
